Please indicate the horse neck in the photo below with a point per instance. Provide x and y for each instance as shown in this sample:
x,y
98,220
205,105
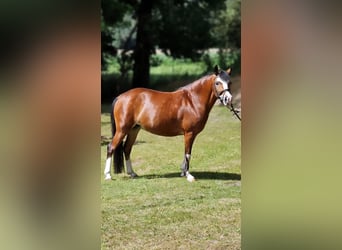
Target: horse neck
x,y
204,91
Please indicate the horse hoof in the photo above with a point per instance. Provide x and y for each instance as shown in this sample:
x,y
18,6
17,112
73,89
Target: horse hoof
x,y
133,175
108,177
190,178
182,174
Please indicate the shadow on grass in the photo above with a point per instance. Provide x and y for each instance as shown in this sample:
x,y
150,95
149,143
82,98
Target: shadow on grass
x,y
198,175
105,140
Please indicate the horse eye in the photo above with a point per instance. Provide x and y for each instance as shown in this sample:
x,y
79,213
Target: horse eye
x,y
217,83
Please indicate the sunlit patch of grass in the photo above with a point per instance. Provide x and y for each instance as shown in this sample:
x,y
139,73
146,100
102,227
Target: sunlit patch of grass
x,y
160,209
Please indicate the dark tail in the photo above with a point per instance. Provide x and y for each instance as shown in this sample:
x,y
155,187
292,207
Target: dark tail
x,y
118,152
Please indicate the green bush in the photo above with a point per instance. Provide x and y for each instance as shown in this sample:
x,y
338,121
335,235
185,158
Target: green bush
x,y
224,59
156,60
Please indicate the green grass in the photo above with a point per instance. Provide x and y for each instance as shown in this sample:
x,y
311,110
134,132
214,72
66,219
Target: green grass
x,y
171,66
166,65
159,209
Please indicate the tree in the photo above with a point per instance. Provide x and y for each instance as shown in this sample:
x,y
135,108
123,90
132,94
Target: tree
x,y
144,45
181,28
184,29
227,28
108,20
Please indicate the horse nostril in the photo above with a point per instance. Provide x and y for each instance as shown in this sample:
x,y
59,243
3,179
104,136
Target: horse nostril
x,y
228,100
225,100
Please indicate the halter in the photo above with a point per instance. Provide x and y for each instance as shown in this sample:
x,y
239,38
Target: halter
x,y
219,94
231,108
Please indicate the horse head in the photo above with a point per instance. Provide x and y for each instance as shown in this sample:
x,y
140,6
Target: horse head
x,y
221,86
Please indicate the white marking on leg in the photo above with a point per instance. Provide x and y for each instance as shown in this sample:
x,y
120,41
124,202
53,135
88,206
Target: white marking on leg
x,y
188,156
189,177
107,168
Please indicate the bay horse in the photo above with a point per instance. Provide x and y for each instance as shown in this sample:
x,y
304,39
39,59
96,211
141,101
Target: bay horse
x,y
181,112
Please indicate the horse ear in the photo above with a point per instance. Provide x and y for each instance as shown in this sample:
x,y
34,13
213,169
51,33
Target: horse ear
x,y
229,70
216,70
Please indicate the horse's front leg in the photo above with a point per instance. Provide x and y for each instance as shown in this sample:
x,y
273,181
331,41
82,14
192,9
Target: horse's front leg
x,y
188,140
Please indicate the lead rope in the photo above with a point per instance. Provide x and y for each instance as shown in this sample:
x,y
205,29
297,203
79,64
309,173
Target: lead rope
x,y
236,113
231,108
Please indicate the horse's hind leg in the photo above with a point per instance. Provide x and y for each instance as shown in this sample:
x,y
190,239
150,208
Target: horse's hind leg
x,y
131,137
108,163
117,139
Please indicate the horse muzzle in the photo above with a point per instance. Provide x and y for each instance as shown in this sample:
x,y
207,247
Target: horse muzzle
x,y
226,98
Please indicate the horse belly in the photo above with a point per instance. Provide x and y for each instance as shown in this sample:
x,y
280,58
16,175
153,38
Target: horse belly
x,y
163,128
164,132
160,123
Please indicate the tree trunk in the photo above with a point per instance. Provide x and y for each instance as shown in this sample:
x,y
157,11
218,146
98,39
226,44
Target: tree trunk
x,y
143,48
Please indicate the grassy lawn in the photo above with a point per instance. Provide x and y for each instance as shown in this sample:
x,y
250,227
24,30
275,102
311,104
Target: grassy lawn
x,y
160,209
